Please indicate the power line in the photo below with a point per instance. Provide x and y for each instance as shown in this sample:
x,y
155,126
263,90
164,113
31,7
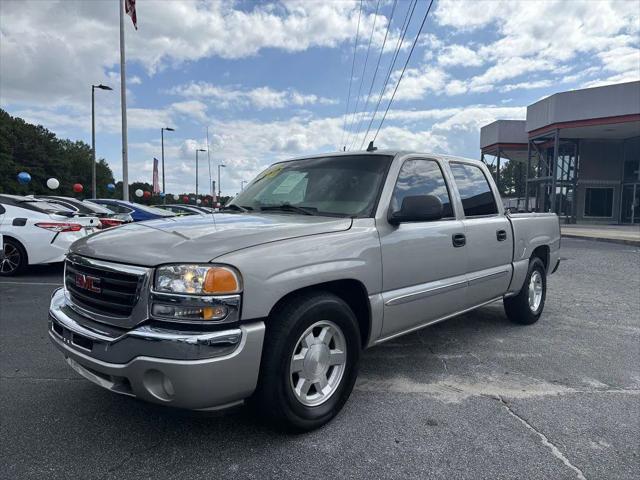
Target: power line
x,y
375,74
353,63
364,70
405,26
404,68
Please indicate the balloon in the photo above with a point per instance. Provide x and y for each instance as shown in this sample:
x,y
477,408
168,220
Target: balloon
x,y
199,202
24,178
185,199
146,194
77,187
53,183
139,193
111,187
206,200
162,195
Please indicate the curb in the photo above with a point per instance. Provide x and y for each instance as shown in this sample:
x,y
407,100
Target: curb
x,y
620,241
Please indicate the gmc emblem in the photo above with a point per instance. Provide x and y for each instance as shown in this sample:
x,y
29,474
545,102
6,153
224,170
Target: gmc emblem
x,y
87,282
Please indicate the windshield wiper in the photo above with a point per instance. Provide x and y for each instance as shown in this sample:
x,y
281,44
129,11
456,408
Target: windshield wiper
x,y
285,207
235,207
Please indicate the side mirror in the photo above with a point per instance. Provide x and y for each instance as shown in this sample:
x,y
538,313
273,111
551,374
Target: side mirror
x,y
418,208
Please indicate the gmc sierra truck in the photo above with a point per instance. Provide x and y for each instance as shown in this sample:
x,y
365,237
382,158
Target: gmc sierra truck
x,y
273,299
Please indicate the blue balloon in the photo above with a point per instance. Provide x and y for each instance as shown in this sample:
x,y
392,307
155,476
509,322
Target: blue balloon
x,y
111,187
24,178
162,194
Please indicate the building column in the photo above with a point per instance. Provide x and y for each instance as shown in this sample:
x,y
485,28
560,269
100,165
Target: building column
x,y
553,168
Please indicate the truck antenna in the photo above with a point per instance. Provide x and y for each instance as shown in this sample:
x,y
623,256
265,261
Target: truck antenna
x,y
371,148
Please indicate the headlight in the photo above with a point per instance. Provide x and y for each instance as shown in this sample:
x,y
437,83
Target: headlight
x,y
196,293
197,280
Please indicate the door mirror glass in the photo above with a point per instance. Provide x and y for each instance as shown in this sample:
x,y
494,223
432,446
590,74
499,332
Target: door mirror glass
x,y
418,208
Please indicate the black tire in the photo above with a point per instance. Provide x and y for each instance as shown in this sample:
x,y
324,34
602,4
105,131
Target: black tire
x,y
275,398
13,258
518,308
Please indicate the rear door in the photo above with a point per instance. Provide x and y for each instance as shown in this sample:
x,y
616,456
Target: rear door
x,y
423,273
489,242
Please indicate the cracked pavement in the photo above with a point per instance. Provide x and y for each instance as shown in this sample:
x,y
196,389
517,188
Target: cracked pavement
x,y
472,397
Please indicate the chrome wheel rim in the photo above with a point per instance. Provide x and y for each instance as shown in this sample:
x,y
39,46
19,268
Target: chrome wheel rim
x,y
535,291
9,258
318,363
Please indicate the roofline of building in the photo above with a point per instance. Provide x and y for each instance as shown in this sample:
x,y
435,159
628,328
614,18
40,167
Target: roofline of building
x,y
510,146
584,123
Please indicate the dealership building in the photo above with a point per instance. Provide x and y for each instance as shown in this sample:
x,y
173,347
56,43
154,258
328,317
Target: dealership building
x,y
576,154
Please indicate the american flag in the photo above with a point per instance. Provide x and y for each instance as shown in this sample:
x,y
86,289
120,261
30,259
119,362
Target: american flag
x,y
156,184
130,8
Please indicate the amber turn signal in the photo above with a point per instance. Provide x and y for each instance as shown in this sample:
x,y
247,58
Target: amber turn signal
x,y
221,280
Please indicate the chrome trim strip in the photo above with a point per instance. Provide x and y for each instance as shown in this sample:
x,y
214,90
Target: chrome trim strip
x,y
438,320
410,297
487,276
110,266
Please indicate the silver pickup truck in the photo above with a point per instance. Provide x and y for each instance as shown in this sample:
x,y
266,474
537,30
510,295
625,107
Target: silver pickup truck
x,y
274,299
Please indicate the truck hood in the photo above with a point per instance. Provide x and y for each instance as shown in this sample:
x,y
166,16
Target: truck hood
x,y
198,239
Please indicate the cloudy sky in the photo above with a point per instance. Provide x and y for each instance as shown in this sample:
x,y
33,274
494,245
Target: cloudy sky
x,y
270,79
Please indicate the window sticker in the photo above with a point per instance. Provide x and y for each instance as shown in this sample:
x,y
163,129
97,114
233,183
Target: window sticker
x,y
289,183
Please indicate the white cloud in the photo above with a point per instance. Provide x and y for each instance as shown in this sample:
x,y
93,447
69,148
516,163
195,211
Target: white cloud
x,y
260,98
453,55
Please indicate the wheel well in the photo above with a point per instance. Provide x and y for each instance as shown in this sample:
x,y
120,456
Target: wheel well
x,y
352,292
5,237
542,252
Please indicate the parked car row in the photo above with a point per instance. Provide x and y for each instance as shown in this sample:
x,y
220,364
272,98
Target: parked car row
x,y
39,229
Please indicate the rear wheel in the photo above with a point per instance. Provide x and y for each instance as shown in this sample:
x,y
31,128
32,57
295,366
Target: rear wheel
x,y
309,362
13,258
526,307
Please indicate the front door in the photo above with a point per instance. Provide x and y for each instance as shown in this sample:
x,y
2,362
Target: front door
x,y
423,272
488,232
630,205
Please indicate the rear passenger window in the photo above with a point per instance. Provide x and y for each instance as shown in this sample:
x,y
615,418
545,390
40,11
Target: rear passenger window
x,y
476,194
421,177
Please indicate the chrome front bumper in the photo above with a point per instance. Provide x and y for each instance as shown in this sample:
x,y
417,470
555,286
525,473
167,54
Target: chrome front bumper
x,y
194,370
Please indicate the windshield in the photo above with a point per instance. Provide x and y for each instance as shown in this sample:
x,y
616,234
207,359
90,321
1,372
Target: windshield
x,y
335,185
48,207
155,211
95,207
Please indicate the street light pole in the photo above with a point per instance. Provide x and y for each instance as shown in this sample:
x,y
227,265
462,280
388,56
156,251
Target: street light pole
x,y
219,189
197,150
242,182
93,136
168,129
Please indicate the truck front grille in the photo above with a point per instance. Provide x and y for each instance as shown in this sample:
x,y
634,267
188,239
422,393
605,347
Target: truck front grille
x,y
103,291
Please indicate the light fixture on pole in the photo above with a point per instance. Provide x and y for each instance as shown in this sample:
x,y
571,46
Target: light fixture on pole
x,y
168,129
219,189
93,136
197,150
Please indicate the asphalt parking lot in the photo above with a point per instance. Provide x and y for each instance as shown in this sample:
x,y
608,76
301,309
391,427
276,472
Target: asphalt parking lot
x,y
474,397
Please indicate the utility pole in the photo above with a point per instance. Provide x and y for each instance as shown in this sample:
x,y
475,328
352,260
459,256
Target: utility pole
x,y
94,190
123,107
197,150
219,189
168,129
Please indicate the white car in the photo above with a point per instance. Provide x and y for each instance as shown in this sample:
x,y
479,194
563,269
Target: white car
x,y
34,231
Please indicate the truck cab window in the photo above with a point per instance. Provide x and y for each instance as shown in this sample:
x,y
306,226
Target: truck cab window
x,y
421,177
477,197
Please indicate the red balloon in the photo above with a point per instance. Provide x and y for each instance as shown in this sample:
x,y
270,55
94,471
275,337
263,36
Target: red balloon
x,y
185,199
77,187
146,194
206,200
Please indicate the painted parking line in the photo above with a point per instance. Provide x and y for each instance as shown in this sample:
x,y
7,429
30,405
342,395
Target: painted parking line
x,y
32,283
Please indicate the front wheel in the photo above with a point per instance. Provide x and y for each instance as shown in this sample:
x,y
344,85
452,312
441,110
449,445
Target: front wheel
x,y
309,362
526,307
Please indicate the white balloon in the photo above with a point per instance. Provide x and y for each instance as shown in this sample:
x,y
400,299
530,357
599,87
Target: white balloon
x,y
139,193
199,201
53,183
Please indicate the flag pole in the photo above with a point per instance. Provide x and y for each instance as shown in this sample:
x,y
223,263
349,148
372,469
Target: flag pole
x,y
123,106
